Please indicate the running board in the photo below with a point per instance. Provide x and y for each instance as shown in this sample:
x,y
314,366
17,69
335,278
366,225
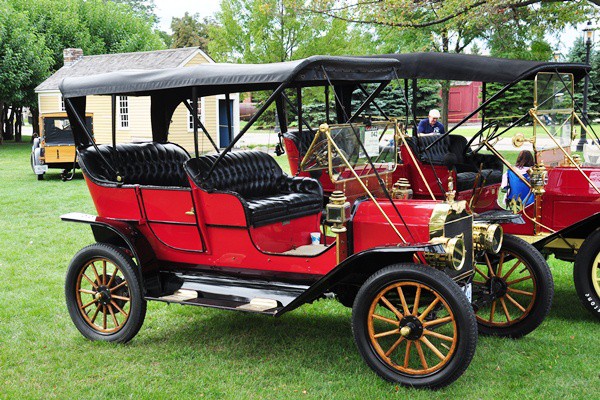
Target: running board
x,y
228,293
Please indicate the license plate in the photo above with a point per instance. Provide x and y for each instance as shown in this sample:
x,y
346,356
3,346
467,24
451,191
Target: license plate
x,y
40,169
468,291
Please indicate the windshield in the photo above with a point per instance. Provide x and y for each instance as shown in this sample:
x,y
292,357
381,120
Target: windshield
x,y
346,147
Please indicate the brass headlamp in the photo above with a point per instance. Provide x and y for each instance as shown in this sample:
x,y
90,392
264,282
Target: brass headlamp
x,y
538,179
487,237
454,255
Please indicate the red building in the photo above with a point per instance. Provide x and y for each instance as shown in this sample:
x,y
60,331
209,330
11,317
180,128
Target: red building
x,y
464,98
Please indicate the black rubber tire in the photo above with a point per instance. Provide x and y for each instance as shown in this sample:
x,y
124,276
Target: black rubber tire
x,y
542,303
466,326
582,273
137,310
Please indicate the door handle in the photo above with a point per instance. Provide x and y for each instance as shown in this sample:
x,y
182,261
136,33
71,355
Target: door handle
x,y
191,212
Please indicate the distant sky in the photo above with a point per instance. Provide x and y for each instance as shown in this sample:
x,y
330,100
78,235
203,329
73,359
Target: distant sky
x,y
167,9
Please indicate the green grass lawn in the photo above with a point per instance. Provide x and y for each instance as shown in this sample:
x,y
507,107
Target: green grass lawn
x,y
190,352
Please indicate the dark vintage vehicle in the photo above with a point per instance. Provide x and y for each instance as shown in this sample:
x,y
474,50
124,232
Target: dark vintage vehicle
x,y
230,230
560,212
54,147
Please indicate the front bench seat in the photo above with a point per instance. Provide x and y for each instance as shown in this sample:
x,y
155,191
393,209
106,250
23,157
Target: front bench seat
x,y
150,163
267,194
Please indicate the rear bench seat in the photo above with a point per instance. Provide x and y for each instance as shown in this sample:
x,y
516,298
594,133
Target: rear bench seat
x,y
267,194
152,164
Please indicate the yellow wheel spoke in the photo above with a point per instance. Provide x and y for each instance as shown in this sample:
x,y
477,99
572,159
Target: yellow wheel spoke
x,y
114,296
421,355
118,286
520,307
437,321
428,309
417,299
104,317
112,314
115,305
95,272
505,309
438,335
481,273
407,353
387,333
104,272
500,263
88,304
510,271
518,291
391,307
95,313
489,264
403,300
519,280
112,278
394,346
376,316
90,281
87,291
493,311
432,347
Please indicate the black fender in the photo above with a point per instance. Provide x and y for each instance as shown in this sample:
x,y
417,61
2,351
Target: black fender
x,y
124,235
579,230
357,268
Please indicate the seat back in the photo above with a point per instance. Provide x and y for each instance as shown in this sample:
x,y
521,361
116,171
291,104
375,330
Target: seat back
x,y
153,164
302,140
248,173
436,154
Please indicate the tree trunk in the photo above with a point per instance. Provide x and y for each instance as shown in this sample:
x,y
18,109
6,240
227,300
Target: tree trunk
x,y
35,122
18,124
1,121
445,84
9,128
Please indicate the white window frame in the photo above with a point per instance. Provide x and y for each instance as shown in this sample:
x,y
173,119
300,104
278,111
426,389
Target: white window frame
x,y
61,103
123,111
190,122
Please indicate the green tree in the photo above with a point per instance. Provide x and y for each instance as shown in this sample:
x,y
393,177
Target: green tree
x,y
452,25
189,31
577,54
24,63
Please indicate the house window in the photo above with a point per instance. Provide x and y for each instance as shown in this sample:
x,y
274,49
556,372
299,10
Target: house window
x,y
62,103
191,120
124,111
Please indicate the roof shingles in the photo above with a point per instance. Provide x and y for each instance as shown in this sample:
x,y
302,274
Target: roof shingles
x,y
99,64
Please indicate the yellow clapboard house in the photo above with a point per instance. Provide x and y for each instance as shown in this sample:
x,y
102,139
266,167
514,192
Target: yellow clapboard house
x,y
133,113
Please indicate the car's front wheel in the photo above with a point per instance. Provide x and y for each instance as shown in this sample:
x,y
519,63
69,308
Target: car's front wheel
x,y
586,273
104,295
512,290
413,325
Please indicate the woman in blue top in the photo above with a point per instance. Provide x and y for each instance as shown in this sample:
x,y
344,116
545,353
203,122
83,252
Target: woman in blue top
x,y
517,190
431,125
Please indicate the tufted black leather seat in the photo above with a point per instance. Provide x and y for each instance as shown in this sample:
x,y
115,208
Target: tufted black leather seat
x,y
302,140
450,151
267,194
153,164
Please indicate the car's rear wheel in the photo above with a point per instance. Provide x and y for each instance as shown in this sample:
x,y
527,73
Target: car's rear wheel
x,y
512,290
103,294
413,325
586,273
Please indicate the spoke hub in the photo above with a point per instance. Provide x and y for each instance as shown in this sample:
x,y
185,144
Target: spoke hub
x,y
411,328
498,287
103,295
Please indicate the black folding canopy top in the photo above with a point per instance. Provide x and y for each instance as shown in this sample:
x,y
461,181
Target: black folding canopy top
x,y
169,87
232,78
469,67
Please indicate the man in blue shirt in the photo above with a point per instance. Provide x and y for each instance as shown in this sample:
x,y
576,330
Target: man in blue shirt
x,y
431,125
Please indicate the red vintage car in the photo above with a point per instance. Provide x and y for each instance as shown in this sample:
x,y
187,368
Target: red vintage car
x,y
560,211
230,230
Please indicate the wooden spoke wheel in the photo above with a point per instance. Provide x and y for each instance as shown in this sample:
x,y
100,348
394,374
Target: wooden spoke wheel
x,y
586,273
413,325
104,295
512,290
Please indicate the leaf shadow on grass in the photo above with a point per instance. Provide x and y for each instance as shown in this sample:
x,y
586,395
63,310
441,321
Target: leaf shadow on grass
x,y
567,306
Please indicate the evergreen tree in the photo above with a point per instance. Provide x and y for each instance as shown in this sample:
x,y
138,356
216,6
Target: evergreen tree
x,y
577,54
